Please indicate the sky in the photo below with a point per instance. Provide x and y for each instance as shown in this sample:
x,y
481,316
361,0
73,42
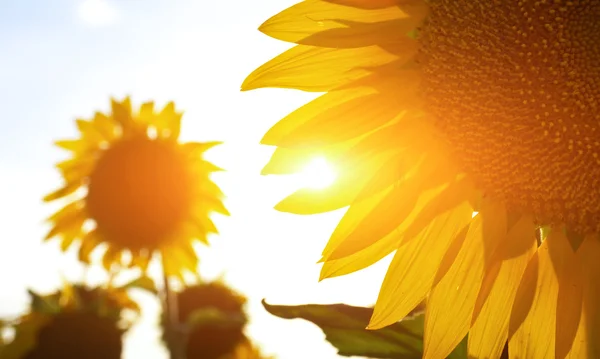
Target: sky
x,y
63,59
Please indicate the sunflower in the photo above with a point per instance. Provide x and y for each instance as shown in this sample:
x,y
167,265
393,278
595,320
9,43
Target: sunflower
x,y
467,140
141,190
75,322
214,319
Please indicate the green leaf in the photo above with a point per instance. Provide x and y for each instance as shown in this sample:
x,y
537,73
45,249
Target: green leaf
x,y
25,337
460,352
142,282
344,327
44,304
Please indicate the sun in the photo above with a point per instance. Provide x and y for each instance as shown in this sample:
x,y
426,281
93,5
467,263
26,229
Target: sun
x,y
97,12
317,174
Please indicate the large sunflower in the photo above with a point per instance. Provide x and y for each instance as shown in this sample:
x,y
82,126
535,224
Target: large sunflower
x,y
467,136
143,190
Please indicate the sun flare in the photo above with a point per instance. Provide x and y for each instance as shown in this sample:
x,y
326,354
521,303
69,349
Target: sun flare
x,y
318,174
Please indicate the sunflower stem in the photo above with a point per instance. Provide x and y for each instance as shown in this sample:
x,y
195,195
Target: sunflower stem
x,y
173,334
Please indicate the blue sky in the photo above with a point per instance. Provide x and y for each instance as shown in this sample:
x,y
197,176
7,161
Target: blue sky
x,y
60,61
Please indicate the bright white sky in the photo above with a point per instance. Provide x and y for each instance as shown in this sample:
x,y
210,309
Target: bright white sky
x,y
62,59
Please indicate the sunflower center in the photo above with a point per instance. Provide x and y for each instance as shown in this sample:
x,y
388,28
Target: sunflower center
x,y
78,335
139,192
514,86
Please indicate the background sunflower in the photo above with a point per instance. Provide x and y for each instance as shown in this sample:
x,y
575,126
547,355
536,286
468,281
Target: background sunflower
x,y
132,185
461,129
75,322
212,320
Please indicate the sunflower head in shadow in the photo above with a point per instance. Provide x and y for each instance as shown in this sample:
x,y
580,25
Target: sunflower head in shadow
x,y
213,317
132,185
467,140
75,322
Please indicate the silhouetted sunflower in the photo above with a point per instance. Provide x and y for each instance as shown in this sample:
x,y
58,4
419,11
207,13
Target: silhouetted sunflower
x,y
214,319
77,322
144,191
438,109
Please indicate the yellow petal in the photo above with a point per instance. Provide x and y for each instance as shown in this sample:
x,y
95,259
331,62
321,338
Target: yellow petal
x,y
104,125
186,256
390,173
389,213
392,210
179,255
88,243
361,259
313,201
313,16
317,125
343,192
374,4
592,295
287,161
70,220
191,230
202,167
309,111
202,237
532,325
352,119
147,115
196,149
171,264
68,236
68,189
586,343
452,301
111,257
316,69
569,308
89,132
413,269
364,169
346,121
489,332
168,122
141,260
457,192
74,170
68,211
73,145
355,214
217,206
210,189
407,136
121,114
390,33
381,248
204,222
